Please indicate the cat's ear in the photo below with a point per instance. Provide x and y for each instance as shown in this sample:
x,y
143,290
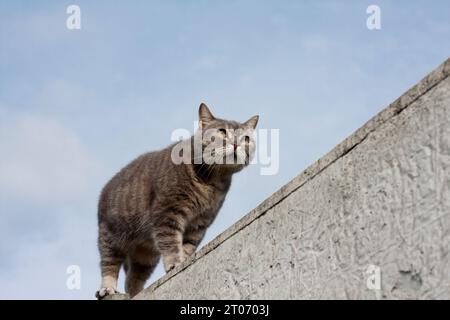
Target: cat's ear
x,y
252,122
204,115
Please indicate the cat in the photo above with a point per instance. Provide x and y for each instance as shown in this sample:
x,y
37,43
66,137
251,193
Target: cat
x,y
156,207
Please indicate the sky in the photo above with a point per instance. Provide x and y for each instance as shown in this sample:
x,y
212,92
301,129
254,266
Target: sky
x,y
78,105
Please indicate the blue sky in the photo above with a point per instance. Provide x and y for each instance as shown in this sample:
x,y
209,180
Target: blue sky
x,y
77,105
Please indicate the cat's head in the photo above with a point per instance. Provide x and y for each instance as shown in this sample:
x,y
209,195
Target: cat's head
x,y
228,144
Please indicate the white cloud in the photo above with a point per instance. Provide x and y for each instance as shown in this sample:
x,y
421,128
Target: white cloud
x,y
42,161
48,204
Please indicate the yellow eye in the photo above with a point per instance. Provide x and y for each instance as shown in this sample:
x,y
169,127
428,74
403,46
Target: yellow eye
x,y
247,139
223,132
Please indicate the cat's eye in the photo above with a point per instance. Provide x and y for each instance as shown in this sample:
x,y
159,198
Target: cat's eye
x,y
223,132
247,139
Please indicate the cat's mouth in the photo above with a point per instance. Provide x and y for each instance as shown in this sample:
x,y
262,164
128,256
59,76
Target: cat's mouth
x,y
230,158
239,161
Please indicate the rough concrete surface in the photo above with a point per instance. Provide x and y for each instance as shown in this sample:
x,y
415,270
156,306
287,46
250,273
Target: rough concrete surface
x,y
381,198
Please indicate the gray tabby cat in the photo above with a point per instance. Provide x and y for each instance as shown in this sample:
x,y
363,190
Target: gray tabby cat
x,y
156,208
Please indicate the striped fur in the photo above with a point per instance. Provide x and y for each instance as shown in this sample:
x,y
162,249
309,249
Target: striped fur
x,y
155,208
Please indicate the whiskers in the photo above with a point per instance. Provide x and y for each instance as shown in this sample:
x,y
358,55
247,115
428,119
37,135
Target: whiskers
x,y
209,160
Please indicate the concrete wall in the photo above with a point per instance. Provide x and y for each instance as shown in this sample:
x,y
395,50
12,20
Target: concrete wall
x,y
381,197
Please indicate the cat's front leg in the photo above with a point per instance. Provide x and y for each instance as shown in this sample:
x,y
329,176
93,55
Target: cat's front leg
x,y
192,238
169,241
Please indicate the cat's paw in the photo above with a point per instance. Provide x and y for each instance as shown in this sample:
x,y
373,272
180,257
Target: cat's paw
x,y
170,267
103,292
171,262
188,249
